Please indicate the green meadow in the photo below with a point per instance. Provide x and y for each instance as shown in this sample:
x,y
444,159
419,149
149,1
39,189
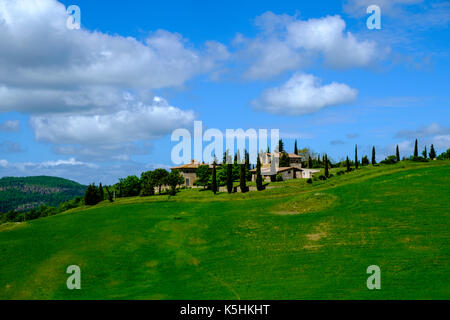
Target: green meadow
x,y
292,241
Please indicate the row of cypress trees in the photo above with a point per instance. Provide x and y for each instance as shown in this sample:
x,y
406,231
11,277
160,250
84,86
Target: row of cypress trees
x,y
259,180
431,154
242,175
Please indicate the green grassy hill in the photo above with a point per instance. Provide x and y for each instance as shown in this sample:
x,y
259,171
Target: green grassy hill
x,y
25,193
294,241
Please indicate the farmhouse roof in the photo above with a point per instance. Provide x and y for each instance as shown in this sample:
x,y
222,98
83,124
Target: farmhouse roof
x,y
277,154
191,165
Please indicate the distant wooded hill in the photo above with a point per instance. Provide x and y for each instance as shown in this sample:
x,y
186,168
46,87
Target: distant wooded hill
x,y
26,193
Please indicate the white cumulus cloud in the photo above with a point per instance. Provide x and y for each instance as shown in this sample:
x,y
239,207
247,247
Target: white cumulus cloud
x,y
303,94
89,92
425,131
9,126
441,141
45,66
288,43
327,36
136,122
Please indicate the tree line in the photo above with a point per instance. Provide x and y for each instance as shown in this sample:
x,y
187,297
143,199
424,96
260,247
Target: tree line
x,y
224,174
131,186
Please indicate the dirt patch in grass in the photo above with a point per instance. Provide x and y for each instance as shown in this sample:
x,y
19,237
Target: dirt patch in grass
x,y
320,232
313,247
151,263
316,236
306,203
12,226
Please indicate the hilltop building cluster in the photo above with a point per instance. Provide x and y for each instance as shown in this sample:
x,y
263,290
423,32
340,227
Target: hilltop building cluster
x,y
270,168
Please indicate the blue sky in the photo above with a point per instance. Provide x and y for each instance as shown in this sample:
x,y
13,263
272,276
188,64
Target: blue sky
x,y
80,103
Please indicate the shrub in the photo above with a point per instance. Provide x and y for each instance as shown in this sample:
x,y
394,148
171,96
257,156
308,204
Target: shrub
x,y
444,155
173,180
130,186
419,159
92,195
11,215
365,161
309,180
322,177
159,177
390,160
340,173
148,184
203,175
70,204
279,177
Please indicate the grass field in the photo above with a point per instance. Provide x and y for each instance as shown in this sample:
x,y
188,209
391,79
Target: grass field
x,y
295,241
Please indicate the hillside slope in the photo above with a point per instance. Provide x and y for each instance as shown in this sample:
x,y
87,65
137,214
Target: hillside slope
x,y
298,241
25,193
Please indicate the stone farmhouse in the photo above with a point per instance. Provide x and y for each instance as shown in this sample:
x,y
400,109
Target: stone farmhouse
x,y
269,169
189,171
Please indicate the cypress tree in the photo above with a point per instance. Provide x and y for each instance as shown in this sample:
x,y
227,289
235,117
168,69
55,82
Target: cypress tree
x,y
416,152
432,152
356,156
327,174
280,146
365,161
230,177
348,165
91,196
310,164
259,185
295,147
101,193
214,179
248,176
424,152
242,179
397,154
373,156
284,160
